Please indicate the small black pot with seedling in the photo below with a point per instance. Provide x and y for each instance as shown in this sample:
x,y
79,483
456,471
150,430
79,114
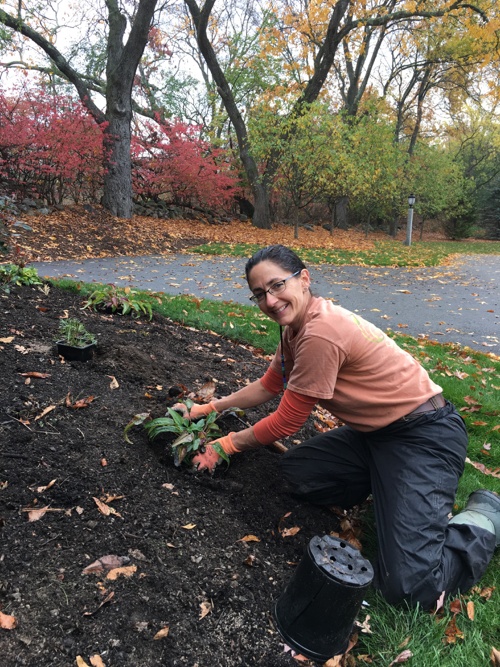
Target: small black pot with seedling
x,y
74,342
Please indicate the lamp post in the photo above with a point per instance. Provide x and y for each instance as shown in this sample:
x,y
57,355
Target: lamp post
x,y
411,201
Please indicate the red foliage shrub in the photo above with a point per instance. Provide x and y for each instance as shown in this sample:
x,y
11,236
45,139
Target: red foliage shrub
x,y
50,147
171,162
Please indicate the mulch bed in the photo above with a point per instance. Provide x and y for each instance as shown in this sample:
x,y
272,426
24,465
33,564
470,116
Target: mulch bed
x,y
181,531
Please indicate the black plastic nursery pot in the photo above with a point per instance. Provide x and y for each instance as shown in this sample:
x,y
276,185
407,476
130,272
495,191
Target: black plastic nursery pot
x,y
315,613
75,353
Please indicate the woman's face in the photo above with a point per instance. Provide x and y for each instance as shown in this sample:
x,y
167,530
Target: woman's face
x,y
287,307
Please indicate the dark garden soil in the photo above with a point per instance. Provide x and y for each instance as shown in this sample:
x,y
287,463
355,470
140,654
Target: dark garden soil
x,y
181,533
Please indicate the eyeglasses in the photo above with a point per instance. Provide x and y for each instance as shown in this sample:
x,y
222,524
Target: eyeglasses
x,y
277,288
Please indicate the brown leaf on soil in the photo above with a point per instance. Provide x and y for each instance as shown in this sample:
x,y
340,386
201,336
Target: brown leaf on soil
x,y
205,608
41,489
9,339
106,509
7,622
82,403
249,538
114,382
162,633
107,599
290,532
189,526
126,571
109,562
206,392
97,661
36,515
80,662
35,374
45,411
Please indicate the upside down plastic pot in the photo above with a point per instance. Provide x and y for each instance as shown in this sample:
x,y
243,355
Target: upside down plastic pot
x,y
315,613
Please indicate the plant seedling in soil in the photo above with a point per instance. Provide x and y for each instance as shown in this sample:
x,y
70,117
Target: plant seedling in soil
x,y
72,332
192,435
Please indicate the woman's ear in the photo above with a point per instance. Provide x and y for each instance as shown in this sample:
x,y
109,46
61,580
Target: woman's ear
x,y
305,278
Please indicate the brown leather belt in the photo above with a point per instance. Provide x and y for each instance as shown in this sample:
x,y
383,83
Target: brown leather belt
x,y
433,404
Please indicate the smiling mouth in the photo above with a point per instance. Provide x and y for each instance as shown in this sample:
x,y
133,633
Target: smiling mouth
x,y
280,310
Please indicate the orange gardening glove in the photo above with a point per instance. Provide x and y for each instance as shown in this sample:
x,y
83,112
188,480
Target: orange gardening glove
x,y
209,458
197,410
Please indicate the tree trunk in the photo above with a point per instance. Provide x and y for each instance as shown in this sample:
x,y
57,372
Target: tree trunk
x,y
341,209
118,173
262,215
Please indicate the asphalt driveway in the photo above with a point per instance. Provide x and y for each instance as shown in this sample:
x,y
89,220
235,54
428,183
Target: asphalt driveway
x,y
458,303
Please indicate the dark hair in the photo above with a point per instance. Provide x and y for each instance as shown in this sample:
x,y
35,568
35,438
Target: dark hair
x,y
279,254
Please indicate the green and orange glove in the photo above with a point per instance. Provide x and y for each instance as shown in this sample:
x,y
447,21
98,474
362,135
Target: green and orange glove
x,y
210,458
197,410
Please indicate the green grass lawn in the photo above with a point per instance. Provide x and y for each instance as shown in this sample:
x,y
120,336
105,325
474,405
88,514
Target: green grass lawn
x,y
385,253
471,380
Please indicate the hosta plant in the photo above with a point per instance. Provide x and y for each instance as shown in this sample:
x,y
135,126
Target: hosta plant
x,y
192,435
15,274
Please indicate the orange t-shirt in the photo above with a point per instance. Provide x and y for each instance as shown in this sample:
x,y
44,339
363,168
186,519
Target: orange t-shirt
x,y
352,368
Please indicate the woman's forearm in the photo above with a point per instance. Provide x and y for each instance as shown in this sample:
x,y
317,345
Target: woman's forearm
x,y
250,396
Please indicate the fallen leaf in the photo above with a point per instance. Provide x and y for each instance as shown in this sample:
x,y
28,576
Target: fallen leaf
x,y
107,599
249,560
470,610
206,607
7,622
104,463
365,626
249,538
97,661
290,532
162,633
41,489
496,428
114,382
9,339
168,486
456,606
80,662
335,661
109,562
484,469
452,632
83,402
402,657
495,657
189,526
206,392
45,412
35,374
127,571
36,515
106,509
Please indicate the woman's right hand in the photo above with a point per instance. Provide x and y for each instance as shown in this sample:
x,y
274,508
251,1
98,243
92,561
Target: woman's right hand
x,y
197,410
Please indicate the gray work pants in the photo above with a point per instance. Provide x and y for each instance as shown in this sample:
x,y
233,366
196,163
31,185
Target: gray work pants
x,y
412,470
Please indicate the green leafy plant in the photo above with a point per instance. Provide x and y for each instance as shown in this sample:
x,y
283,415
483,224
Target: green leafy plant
x,y
72,332
192,435
121,300
16,274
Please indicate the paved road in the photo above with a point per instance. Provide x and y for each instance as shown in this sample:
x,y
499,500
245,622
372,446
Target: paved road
x,y
458,303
